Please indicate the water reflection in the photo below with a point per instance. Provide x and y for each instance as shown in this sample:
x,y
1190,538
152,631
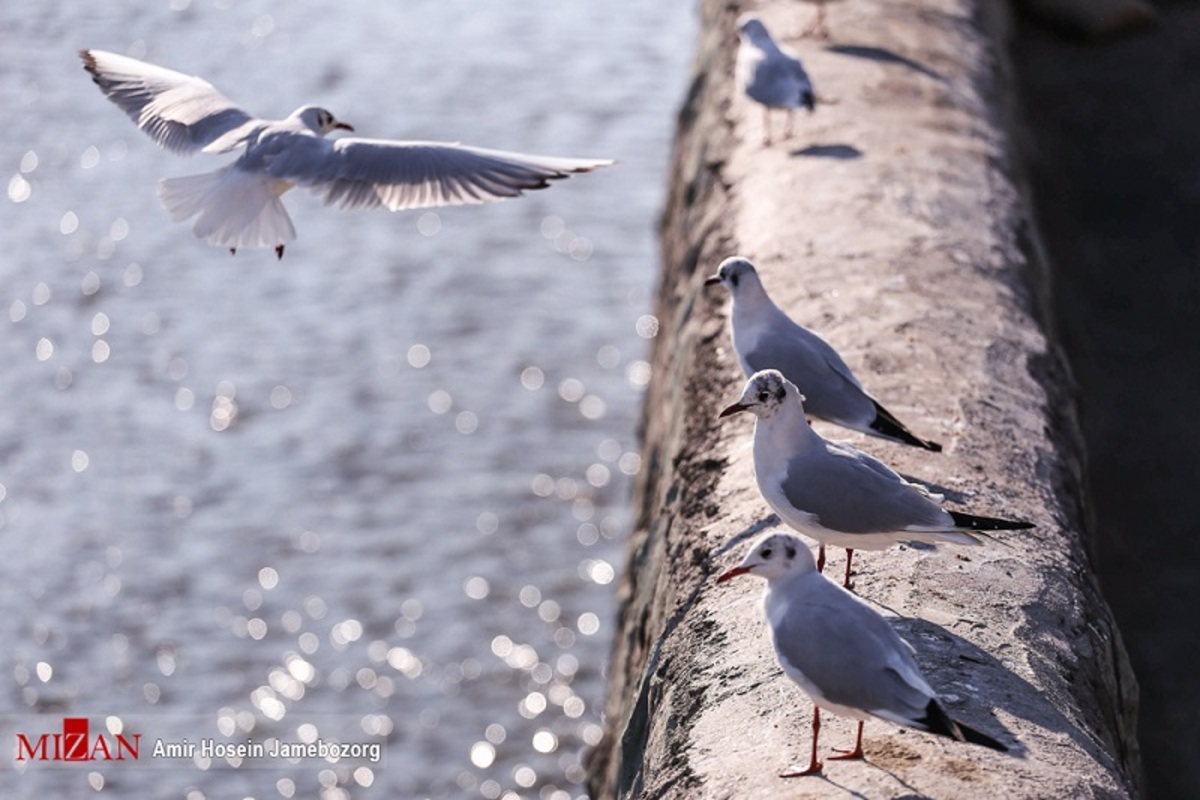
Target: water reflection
x,y
378,491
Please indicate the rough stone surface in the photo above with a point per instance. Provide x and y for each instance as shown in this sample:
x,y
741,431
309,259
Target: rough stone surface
x,y
890,224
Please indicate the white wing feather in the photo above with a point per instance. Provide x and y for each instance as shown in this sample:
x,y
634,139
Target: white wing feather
x,y
182,113
367,173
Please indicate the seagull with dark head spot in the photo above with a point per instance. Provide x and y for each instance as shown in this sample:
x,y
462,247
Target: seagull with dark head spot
x,y
835,493
239,205
764,337
841,652
771,75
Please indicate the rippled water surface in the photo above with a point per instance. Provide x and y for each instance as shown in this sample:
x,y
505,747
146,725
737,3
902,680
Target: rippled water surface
x,y
375,491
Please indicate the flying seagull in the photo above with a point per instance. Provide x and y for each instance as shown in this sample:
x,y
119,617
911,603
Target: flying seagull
x,y
239,204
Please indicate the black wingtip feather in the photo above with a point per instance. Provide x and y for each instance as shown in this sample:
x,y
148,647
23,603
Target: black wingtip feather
x,y
886,425
89,62
974,523
936,720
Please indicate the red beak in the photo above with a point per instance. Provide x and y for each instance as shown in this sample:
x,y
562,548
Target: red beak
x,y
733,409
733,573
343,126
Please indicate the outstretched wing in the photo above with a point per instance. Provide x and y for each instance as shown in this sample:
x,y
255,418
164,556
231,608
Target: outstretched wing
x,y
367,173
181,112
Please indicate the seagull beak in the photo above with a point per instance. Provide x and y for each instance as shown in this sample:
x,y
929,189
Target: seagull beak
x,y
733,573
733,409
712,280
343,126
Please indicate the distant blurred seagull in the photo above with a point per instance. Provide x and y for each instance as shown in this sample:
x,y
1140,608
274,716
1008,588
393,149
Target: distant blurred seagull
x,y
771,75
239,206
766,338
836,493
842,653
817,28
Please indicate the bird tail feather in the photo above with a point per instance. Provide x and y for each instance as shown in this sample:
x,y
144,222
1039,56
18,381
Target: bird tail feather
x,y
936,720
234,208
936,536
886,425
974,523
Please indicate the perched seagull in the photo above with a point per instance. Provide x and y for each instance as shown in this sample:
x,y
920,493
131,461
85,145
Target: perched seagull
x,y
841,652
239,206
765,338
835,493
771,75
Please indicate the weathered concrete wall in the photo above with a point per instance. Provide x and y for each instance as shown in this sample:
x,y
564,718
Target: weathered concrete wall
x,y
890,224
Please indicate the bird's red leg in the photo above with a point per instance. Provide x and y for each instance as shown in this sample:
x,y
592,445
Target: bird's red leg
x,y
817,27
814,766
279,251
822,28
766,127
821,558
849,559
856,753
787,131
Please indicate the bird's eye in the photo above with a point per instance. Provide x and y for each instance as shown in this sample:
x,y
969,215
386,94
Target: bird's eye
x,y
790,552
733,279
764,396
766,553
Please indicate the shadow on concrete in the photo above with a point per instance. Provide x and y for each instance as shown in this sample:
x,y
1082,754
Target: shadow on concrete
x,y
884,56
968,679
798,780
750,532
843,152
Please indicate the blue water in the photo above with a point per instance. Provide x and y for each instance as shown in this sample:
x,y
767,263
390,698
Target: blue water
x,y
377,489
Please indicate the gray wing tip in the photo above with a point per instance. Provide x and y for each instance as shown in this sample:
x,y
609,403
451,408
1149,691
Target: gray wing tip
x,y
588,164
89,61
560,171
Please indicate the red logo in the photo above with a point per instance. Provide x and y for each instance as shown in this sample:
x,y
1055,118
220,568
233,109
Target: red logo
x,y
76,744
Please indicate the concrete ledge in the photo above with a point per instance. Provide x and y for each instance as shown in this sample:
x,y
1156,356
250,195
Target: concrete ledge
x,y
890,224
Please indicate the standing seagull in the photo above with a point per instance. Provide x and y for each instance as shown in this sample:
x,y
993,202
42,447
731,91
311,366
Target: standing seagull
x,y
836,493
841,652
770,74
238,205
766,338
